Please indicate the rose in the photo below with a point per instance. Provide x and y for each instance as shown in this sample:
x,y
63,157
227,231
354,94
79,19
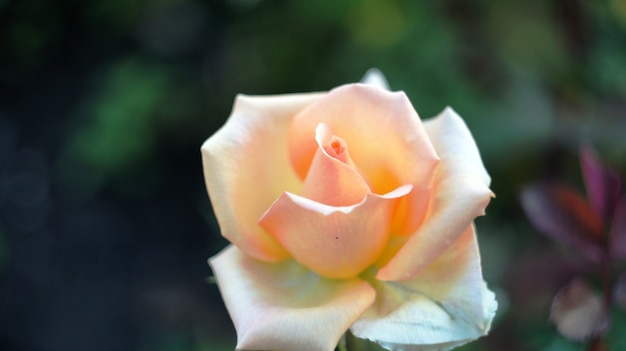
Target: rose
x,y
345,211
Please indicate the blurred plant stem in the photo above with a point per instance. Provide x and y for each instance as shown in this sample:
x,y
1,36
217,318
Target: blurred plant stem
x,y
607,280
598,343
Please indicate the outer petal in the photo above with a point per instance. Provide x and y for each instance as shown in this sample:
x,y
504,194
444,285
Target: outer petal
x,y
283,306
335,242
447,305
461,193
387,142
375,77
251,149
455,146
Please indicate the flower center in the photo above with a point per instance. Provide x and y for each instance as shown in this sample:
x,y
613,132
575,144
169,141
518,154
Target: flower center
x,y
336,148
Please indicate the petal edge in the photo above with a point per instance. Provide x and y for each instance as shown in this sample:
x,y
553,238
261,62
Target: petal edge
x,y
283,306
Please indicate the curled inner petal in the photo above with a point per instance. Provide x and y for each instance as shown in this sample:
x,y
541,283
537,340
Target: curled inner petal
x,y
337,149
387,142
334,242
332,179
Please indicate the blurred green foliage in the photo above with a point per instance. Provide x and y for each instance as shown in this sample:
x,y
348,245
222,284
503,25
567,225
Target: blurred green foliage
x,y
121,89
123,128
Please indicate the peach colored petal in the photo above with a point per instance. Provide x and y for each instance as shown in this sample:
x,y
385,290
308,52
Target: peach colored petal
x,y
335,242
284,306
445,306
387,142
251,149
332,180
460,194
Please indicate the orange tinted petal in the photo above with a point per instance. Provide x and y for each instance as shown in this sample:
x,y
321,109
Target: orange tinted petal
x,y
335,242
387,142
460,194
251,149
458,201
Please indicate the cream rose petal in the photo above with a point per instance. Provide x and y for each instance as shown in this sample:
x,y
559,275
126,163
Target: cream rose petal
x,y
456,147
284,306
252,149
375,77
447,305
335,242
460,194
387,142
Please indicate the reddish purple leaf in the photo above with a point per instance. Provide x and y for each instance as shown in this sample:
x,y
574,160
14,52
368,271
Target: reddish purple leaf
x,y
564,216
617,235
603,185
579,312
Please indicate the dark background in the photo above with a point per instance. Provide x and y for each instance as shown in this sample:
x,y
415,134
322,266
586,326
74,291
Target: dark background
x,y
105,225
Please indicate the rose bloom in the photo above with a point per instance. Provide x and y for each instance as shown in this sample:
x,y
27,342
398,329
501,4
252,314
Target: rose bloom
x,y
346,211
